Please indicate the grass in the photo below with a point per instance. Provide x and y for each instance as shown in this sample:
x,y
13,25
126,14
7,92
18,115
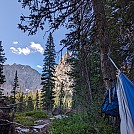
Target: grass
x,y
28,118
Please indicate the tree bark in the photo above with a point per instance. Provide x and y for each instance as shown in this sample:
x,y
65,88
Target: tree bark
x,y
107,68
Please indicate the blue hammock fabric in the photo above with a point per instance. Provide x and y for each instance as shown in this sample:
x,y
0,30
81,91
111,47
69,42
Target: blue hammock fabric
x,y
129,90
125,93
110,106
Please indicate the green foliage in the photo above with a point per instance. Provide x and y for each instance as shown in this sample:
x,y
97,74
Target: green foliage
x,y
89,122
120,21
22,105
15,86
37,100
30,104
76,75
116,38
28,118
36,114
48,81
79,124
22,119
11,99
2,60
61,96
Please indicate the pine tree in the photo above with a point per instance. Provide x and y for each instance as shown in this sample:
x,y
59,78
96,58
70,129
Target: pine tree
x,y
21,107
120,21
7,98
37,100
30,105
2,60
48,82
61,96
57,13
77,101
15,86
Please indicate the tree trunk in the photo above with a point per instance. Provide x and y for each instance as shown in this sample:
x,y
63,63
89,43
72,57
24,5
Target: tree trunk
x,y
104,41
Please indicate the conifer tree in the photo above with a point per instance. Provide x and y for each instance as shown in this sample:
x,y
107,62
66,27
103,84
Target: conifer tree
x,y
2,60
61,96
30,105
48,82
37,100
21,107
75,75
60,12
120,21
7,98
15,86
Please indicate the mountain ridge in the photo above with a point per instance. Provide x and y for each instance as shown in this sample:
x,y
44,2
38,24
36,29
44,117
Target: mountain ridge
x,y
28,78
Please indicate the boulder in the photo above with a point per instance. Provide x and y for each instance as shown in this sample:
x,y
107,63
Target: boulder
x,y
56,111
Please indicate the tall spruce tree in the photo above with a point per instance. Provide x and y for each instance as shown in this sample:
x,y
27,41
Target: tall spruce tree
x,y
48,82
15,86
37,100
61,95
2,60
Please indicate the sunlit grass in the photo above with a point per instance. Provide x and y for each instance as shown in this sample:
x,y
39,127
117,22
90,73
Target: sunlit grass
x,y
28,118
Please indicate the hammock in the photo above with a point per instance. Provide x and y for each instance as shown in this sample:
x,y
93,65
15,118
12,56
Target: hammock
x,y
125,93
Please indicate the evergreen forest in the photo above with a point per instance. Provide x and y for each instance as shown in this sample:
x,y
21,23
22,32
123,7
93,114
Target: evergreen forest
x,y
100,42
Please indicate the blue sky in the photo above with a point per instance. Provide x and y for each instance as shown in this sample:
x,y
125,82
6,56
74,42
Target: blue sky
x,y
18,46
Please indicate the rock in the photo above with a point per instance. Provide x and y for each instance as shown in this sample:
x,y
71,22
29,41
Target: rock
x,y
56,111
21,130
68,111
59,117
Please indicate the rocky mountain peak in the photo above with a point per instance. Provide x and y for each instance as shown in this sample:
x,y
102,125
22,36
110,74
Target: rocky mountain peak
x,y
28,78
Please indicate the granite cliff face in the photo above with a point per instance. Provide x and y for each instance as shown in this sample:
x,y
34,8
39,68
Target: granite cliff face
x,y
62,77
28,78
61,73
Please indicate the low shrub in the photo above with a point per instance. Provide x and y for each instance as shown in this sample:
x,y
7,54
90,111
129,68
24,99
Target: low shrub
x,y
77,124
28,118
26,121
36,114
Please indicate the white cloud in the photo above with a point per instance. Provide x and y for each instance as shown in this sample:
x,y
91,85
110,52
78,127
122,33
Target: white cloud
x,y
19,50
24,51
15,42
39,66
37,47
33,47
14,50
